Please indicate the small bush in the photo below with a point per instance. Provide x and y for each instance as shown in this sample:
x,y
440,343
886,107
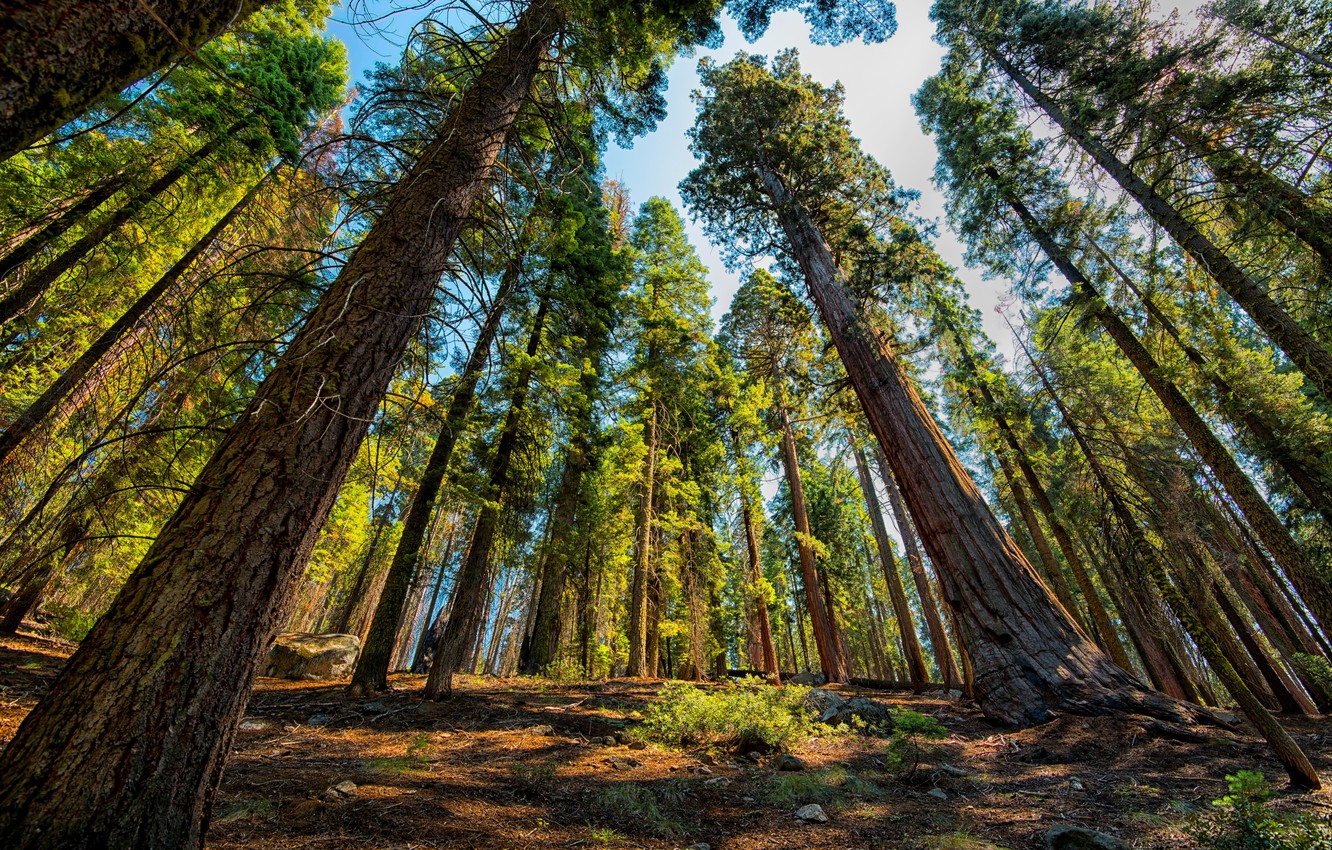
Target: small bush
x,y
643,805
1243,820
909,744
818,786
69,622
750,711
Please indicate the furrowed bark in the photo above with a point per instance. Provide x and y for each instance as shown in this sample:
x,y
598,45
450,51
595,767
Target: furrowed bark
x,y
1030,660
153,695
62,56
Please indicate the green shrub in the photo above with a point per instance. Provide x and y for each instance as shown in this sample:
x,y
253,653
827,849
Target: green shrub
x,y
1244,820
643,805
909,745
69,622
749,712
818,786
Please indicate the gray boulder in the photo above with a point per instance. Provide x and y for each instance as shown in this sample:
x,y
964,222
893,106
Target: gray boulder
x,y
1081,838
823,703
835,710
312,658
807,678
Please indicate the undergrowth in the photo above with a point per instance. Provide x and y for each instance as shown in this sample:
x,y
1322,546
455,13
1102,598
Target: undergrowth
x,y
644,805
818,786
750,712
910,743
1244,820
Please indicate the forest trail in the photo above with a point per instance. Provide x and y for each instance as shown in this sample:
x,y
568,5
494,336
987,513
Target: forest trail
x,y
477,771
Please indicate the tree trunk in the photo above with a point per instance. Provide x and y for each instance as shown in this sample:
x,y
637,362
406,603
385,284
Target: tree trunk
x,y
1308,474
21,298
1286,333
470,592
1264,521
1053,573
1030,659
906,626
371,673
76,213
1287,751
154,693
638,598
943,653
62,56
107,347
831,662
769,665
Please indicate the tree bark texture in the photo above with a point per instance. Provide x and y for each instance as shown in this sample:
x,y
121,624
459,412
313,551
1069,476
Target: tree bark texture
x,y
638,591
153,695
62,56
1029,659
768,649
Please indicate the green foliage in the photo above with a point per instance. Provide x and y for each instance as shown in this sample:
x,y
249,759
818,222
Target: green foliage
x,y
643,804
748,711
910,742
246,810
1244,820
818,786
70,621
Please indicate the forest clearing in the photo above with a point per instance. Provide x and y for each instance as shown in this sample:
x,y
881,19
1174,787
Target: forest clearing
x,y
381,466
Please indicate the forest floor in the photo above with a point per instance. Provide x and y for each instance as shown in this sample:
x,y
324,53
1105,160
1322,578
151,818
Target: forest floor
x,y
478,771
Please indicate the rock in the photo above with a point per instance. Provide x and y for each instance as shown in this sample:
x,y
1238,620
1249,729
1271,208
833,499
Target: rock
x,y
255,724
823,703
938,793
705,758
951,770
375,707
702,845
786,761
638,745
625,764
813,813
718,780
872,713
704,770
543,729
312,658
319,719
811,679
344,790
1075,784
1081,838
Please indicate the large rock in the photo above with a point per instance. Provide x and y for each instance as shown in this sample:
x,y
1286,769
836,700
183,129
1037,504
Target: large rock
x,y
808,678
823,704
312,658
1081,838
835,710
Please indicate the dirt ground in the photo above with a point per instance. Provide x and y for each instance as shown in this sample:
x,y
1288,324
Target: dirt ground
x,y
478,771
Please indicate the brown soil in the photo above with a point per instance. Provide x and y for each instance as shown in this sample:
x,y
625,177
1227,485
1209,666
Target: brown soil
x,y
473,772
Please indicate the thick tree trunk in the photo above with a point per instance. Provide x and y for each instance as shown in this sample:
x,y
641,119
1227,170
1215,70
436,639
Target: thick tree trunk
x,y
943,653
21,298
638,593
57,227
107,346
371,673
831,661
153,695
1286,333
906,625
470,588
62,56
1030,659
1274,535
1287,751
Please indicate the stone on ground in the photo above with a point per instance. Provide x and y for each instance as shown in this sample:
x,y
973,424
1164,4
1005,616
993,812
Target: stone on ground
x,y
813,813
312,658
